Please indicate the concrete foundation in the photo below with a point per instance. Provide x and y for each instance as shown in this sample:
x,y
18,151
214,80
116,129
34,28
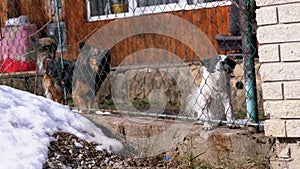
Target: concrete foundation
x,y
221,147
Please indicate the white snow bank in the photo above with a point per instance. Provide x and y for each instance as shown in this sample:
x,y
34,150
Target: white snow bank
x,y
27,122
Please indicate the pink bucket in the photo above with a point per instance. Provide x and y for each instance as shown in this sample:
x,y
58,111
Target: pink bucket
x,y
15,45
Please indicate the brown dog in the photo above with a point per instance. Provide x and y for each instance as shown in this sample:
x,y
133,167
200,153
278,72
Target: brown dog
x,y
93,63
58,79
49,66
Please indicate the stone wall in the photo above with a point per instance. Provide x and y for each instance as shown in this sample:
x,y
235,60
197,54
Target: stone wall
x,y
171,80
141,81
23,81
279,51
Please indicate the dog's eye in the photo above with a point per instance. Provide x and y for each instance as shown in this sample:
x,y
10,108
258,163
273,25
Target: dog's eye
x,y
222,62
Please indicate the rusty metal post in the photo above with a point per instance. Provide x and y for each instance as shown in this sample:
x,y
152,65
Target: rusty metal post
x,y
60,44
249,65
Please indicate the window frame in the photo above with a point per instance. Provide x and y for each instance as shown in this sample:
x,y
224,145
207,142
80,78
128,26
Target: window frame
x,y
134,10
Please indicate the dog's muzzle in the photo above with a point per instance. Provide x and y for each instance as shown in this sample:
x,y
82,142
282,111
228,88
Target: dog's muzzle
x,y
228,65
227,68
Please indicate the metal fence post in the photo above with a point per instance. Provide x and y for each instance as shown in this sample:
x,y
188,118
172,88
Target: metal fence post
x,y
249,65
60,43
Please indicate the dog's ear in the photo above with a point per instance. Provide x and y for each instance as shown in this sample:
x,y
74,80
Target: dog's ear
x,y
34,42
230,63
210,64
47,41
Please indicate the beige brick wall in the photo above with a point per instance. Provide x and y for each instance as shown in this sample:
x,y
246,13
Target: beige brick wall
x,y
290,51
260,3
283,109
269,53
266,16
288,13
272,91
279,33
280,71
278,36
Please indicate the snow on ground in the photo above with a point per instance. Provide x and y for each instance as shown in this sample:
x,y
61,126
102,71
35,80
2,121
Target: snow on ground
x,y
27,122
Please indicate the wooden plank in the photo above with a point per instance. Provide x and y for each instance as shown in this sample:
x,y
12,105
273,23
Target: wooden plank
x,y
19,74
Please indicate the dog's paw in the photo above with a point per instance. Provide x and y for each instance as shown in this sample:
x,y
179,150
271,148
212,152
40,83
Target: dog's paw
x,y
199,123
233,126
207,127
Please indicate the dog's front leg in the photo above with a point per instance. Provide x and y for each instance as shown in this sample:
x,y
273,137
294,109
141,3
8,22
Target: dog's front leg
x,y
208,114
204,102
47,94
47,85
229,111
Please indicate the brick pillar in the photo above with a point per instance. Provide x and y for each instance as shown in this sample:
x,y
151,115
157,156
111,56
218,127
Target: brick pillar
x,y
278,36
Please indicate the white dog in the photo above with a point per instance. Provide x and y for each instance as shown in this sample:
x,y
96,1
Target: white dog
x,y
212,98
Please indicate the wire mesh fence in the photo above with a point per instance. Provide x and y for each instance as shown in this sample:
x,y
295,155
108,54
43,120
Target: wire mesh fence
x,y
182,59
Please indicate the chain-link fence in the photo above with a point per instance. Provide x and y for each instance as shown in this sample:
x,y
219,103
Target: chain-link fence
x,y
182,59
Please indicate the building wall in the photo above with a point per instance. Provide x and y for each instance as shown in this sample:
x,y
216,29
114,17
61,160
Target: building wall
x,y
210,21
74,13
14,8
279,52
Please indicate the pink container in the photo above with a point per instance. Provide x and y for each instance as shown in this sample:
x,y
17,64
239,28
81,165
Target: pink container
x,y
15,44
16,41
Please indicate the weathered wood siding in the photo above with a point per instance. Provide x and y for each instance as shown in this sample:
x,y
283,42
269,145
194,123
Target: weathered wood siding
x,y
210,21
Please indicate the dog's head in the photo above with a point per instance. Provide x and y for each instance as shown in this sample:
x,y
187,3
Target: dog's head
x,y
228,64
45,48
220,63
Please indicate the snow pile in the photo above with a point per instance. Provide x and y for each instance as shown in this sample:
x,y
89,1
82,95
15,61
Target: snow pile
x,y
27,122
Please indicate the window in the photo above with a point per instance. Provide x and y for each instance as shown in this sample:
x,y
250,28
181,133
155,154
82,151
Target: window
x,y
111,9
143,3
98,7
